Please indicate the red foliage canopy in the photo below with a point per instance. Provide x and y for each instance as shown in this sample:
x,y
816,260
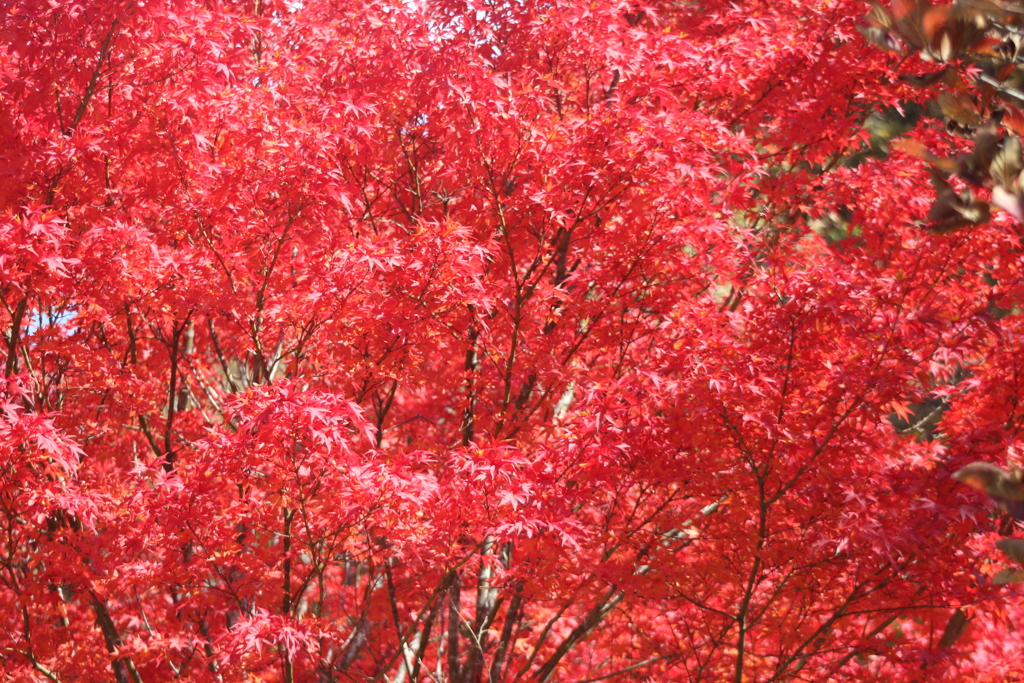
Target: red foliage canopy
x,y
488,341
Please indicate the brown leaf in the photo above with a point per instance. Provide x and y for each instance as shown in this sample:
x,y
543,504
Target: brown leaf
x,y
947,47
1009,201
934,19
1013,548
1006,165
904,9
960,108
986,142
1008,575
991,479
951,211
1008,51
923,80
880,17
915,148
881,38
954,627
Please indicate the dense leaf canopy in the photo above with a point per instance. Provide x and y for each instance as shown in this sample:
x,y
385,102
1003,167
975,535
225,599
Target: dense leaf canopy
x,y
505,340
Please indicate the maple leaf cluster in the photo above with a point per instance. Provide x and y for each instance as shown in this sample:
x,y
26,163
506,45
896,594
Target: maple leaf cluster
x,y
497,341
976,94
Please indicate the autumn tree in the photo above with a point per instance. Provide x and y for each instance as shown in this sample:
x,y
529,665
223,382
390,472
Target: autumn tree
x,y
487,341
